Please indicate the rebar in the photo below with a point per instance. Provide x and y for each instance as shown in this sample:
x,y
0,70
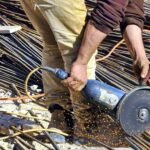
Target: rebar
x,y
21,52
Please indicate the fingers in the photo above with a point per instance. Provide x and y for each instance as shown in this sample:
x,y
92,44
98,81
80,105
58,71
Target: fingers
x,y
73,84
146,80
145,71
67,81
149,82
145,74
78,86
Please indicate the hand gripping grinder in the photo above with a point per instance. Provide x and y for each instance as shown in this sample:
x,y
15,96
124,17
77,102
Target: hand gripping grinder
x,y
131,109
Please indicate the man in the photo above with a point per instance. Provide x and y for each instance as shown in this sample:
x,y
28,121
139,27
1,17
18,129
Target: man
x,y
70,42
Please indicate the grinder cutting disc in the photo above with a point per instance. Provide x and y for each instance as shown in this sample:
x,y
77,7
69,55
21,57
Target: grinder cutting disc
x,y
134,111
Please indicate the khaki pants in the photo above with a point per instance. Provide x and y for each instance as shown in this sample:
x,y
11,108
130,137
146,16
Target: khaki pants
x,y
60,23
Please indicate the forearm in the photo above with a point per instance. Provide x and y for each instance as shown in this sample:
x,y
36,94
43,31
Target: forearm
x,y
133,38
91,40
106,16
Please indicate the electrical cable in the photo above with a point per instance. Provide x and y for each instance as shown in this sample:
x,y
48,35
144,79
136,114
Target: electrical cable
x,y
27,80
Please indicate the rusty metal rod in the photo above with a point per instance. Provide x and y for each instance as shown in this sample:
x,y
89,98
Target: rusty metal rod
x,y
25,143
30,137
20,145
33,114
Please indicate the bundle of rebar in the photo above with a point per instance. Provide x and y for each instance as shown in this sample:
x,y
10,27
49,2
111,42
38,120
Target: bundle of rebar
x,y
21,52
140,142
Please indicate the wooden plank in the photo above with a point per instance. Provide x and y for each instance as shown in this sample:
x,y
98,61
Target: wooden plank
x,y
9,29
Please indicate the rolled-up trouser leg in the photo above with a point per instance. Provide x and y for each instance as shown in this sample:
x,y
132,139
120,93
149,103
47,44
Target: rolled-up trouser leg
x,y
51,56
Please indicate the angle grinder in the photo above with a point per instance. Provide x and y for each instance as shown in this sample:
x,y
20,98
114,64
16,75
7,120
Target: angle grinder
x,y
132,109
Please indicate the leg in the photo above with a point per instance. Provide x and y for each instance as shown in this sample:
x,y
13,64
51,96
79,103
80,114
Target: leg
x,y
55,92
51,55
67,19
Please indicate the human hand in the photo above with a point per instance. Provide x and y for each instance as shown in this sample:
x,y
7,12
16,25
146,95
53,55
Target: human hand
x,y
142,70
78,77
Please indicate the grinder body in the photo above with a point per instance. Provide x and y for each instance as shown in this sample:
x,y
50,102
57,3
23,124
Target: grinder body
x,y
130,109
103,94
